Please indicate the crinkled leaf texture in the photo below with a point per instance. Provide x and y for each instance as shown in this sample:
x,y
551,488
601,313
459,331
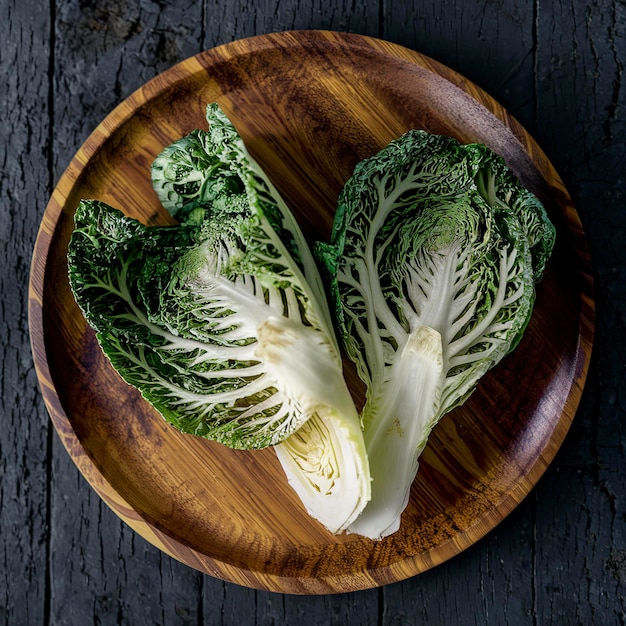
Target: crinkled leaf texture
x,y
221,321
433,260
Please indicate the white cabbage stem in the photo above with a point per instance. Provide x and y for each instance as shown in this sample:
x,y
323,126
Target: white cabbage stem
x,y
324,460
407,412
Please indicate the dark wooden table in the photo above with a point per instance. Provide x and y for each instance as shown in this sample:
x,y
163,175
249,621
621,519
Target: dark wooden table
x,y
560,557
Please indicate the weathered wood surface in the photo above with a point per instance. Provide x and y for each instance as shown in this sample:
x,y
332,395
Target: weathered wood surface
x,y
559,558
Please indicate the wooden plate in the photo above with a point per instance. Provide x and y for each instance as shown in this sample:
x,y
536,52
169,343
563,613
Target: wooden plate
x,y
309,105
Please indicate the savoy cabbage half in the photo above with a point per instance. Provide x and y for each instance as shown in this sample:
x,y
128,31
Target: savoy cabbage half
x,y
221,320
433,260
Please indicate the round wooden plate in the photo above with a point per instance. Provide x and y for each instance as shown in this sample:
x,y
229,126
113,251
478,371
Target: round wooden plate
x,y
309,105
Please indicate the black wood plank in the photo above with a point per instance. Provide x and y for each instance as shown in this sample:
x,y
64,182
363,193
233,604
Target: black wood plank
x,y
106,50
100,570
581,514
227,22
490,43
24,431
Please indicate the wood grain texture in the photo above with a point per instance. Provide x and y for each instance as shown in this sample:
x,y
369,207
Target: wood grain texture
x,y
309,105
25,433
558,558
